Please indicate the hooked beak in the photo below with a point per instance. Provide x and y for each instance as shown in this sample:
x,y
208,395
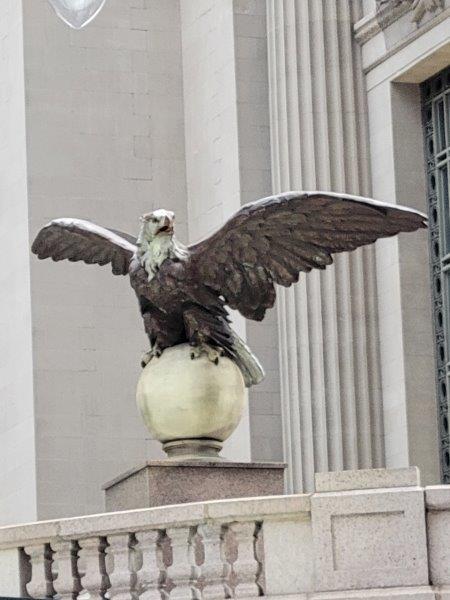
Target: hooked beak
x,y
167,226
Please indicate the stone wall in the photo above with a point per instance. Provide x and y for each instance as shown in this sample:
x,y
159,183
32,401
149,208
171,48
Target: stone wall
x,y
105,142
110,113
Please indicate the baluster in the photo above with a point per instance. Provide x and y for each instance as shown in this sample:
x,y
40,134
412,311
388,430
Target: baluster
x,y
229,555
41,582
259,555
246,566
182,570
147,561
213,568
117,564
67,582
92,564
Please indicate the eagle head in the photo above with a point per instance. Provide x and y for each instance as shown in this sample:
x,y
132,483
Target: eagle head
x,y
156,241
157,223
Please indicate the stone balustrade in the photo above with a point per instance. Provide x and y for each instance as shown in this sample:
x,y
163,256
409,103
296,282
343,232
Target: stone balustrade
x,y
203,550
368,534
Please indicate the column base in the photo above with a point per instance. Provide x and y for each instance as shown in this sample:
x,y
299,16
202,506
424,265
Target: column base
x,y
193,449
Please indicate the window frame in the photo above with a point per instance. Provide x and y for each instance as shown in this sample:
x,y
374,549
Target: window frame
x,y
435,92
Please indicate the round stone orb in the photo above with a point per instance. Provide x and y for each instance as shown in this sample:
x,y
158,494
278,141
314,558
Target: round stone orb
x,y
181,398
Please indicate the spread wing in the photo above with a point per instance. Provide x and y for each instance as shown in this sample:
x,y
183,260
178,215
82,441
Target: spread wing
x,y
271,240
75,239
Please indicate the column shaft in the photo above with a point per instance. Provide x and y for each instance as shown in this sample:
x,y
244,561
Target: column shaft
x,y
332,416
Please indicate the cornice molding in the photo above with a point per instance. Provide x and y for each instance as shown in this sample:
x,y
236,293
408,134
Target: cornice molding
x,y
388,11
366,28
430,24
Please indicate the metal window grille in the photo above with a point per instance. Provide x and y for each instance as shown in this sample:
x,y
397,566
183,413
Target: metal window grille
x,y
436,122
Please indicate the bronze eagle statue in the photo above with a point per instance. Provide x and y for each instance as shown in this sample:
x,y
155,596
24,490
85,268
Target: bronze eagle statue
x,y
183,291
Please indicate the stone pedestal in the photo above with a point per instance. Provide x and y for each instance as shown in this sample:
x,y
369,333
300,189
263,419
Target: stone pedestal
x,y
159,483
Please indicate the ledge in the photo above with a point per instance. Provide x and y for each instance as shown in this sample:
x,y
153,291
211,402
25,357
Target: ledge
x,y
437,497
365,479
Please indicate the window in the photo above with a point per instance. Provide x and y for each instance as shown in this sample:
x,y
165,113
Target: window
x,y
436,121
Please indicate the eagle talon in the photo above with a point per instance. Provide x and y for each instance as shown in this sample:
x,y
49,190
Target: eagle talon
x,y
152,353
213,354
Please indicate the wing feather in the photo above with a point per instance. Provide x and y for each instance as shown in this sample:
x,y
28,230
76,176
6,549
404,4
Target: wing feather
x,y
78,240
273,239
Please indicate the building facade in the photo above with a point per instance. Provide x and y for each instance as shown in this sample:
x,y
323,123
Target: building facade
x,y
200,106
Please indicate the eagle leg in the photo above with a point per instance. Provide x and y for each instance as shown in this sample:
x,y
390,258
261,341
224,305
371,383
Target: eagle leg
x,y
213,354
155,351
200,329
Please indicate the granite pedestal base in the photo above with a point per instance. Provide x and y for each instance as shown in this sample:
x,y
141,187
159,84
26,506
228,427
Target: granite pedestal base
x,y
163,482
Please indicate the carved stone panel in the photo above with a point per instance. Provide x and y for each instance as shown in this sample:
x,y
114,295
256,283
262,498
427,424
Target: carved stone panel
x,y
369,539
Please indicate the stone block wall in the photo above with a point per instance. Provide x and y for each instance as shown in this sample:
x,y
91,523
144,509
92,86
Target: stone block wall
x,y
127,115
105,131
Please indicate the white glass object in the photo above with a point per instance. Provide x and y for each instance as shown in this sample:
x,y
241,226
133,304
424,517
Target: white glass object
x,y
77,13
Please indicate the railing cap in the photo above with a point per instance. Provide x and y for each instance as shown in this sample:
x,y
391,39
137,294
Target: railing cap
x,y
437,497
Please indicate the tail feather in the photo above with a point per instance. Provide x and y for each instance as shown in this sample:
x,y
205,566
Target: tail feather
x,y
250,366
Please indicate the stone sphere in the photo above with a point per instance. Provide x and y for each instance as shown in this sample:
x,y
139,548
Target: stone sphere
x,y
183,398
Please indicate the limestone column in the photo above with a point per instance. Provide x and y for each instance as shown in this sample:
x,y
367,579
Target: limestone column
x,y
331,391
211,138
17,429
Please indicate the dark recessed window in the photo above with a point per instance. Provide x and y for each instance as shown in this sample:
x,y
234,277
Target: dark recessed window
x,y
436,125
